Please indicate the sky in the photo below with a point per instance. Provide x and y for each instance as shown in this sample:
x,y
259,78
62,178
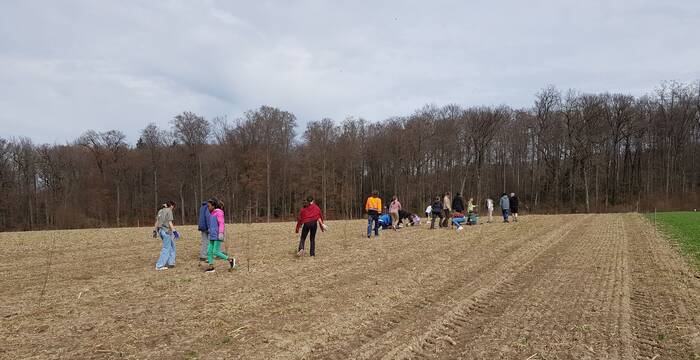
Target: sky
x,y
68,66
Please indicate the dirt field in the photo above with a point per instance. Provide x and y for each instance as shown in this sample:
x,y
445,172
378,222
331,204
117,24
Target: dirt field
x,y
549,287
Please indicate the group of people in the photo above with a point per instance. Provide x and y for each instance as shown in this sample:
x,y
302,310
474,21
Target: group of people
x,y
211,226
449,213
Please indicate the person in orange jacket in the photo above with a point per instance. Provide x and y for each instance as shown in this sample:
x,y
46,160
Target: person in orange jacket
x,y
373,207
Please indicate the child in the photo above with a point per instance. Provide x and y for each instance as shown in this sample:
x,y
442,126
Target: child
x,y
489,207
385,220
394,209
414,219
505,206
165,228
428,211
309,216
435,212
473,218
216,235
458,219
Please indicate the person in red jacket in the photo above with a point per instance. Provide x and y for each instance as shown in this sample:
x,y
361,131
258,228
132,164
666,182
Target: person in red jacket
x,y
309,216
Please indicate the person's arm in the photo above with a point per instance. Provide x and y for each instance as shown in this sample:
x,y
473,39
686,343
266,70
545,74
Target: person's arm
x,y
171,226
296,229
220,221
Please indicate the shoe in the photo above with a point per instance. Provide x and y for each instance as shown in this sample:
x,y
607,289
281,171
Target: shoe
x,y
368,236
210,270
460,228
231,263
170,266
162,268
300,253
202,259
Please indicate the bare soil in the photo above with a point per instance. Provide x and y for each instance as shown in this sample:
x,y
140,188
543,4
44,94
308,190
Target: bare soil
x,y
548,287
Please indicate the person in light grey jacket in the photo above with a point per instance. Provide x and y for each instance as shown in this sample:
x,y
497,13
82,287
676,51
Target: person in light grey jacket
x,y
504,202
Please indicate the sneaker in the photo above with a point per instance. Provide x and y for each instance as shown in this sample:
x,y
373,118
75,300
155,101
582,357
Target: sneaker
x,y
162,268
170,266
202,259
231,263
300,253
210,270
460,228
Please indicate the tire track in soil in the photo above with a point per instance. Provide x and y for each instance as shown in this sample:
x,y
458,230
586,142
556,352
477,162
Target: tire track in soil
x,y
513,318
395,257
422,307
400,321
400,257
665,296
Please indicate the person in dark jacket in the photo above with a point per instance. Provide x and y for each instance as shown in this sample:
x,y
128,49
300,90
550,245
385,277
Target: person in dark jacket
x,y
458,203
309,218
436,208
514,206
203,227
504,202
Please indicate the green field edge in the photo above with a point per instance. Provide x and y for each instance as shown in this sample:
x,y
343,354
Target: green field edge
x,y
683,229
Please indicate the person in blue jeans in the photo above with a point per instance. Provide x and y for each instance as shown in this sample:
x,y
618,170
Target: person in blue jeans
x,y
504,202
373,206
203,227
165,228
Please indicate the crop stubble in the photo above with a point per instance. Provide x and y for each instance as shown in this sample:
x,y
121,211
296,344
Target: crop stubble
x,y
549,287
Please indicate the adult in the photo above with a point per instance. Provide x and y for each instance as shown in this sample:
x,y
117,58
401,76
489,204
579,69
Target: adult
x,y
514,206
505,206
394,208
446,209
203,227
165,228
458,203
216,235
373,207
309,218
436,212
489,208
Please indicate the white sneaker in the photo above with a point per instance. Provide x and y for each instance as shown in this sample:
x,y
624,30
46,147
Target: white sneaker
x,y
460,228
162,268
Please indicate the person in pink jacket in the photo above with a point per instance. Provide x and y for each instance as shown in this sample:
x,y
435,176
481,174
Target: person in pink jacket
x,y
394,208
216,235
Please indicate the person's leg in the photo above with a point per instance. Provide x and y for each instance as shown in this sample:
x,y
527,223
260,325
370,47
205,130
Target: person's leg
x,y
455,222
394,220
312,239
369,225
490,215
217,251
172,253
432,221
210,253
376,225
302,239
165,249
204,247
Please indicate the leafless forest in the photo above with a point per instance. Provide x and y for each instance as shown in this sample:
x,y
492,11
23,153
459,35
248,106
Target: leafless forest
x,y
569,152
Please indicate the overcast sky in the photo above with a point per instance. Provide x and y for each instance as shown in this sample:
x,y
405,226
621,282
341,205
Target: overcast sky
x,y
67,66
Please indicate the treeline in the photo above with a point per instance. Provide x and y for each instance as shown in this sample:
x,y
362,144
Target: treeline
x,y
569,152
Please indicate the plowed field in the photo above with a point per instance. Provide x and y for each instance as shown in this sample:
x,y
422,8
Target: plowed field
x,y
548,287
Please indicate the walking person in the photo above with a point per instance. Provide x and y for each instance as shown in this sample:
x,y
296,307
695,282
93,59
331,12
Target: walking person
x,y
216,235
165,228
373,207
505,206
446,209
309,218
436,212
514,206
394,208
489,208
203,227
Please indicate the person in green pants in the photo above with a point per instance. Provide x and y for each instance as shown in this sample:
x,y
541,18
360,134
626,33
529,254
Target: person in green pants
x,y
216,235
